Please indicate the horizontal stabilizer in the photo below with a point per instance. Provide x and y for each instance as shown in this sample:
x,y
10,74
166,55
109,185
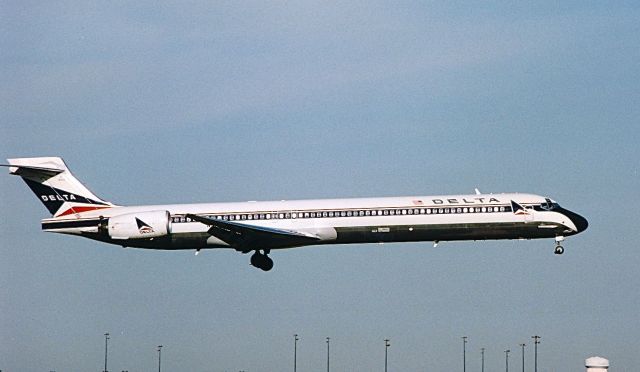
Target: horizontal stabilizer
x,y
24,170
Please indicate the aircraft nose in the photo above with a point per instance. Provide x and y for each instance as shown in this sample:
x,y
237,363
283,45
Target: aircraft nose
x,y
580,222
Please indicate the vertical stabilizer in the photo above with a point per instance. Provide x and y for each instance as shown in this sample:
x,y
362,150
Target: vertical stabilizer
x,y
52,182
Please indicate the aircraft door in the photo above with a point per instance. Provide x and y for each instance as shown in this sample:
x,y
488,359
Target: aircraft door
x,y
529,216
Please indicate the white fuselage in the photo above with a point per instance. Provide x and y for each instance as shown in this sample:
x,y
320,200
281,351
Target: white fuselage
x,y
337,221
263,226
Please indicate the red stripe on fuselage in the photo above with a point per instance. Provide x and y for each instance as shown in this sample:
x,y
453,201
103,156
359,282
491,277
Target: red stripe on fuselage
x,y
79,210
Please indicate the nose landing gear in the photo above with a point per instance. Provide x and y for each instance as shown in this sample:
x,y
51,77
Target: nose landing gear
x,y
559,249
262,261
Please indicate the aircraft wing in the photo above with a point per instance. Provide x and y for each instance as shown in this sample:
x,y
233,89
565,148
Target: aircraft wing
x,y
246,237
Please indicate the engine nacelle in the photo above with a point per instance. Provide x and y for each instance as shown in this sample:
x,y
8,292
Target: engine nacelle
x,y
140,225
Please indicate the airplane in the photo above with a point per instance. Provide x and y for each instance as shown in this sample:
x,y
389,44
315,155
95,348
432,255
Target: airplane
x,y
260,227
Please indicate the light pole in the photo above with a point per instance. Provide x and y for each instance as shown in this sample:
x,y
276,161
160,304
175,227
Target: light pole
x,y
106,340
295,352
464,353
522,345
506,353
535,347
328,354
159,357
386,346
482,352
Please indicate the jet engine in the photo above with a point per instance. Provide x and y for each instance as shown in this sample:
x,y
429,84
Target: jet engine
x,y
140,225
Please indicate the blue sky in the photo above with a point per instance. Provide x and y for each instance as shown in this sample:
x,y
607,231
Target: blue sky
x,y
195,102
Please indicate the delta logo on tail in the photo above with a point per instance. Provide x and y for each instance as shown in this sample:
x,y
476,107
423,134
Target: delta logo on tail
x,y
143,228
54,199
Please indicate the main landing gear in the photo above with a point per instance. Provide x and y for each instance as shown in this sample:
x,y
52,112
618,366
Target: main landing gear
x,y
262,261
559,249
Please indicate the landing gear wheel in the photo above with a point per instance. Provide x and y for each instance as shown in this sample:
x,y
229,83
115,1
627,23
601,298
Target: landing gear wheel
x,y
267,264
559,249
255,259
261,261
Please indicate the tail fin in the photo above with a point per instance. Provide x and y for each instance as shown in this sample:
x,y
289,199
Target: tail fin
x,y
59,191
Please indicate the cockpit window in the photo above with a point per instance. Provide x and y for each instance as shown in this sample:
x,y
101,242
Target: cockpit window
x,y
548,205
